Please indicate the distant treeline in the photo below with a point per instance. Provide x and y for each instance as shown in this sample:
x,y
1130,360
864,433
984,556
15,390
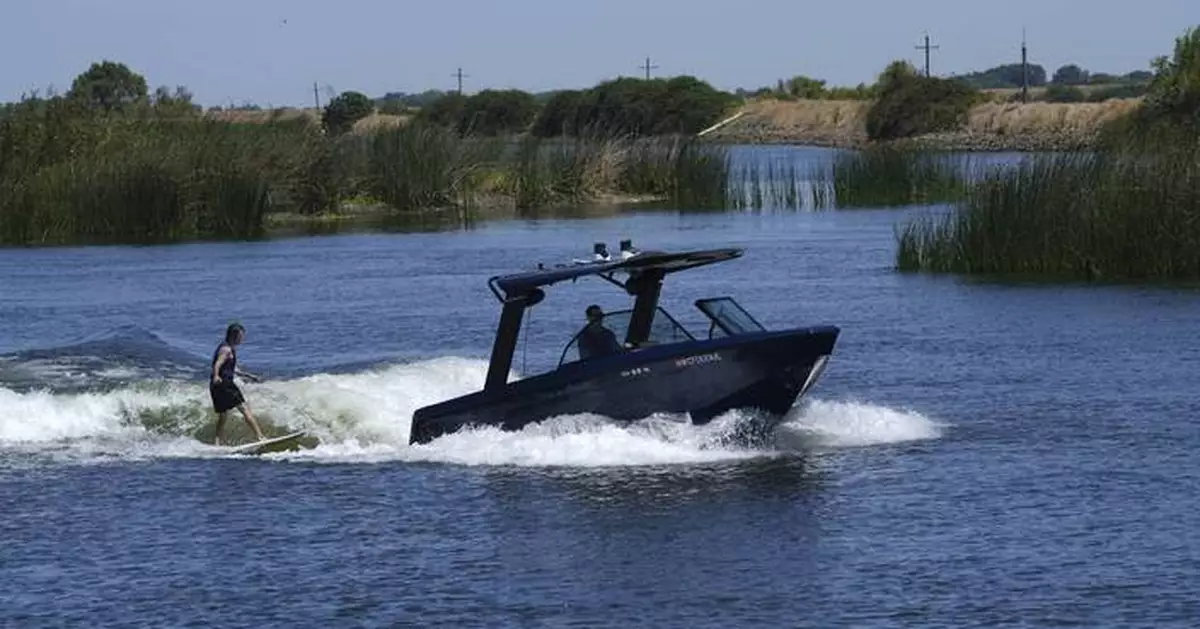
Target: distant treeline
x,y
1069,84
625,106
108,162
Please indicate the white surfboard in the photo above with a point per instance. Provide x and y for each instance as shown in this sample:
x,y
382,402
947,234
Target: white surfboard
x,y
274,444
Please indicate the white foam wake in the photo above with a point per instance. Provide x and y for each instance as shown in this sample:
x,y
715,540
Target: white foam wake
x,y
843,424
364,417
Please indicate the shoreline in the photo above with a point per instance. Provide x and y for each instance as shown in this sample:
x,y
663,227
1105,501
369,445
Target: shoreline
x,y
990,127
489,207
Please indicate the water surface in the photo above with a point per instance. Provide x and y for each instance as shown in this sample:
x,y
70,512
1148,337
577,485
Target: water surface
x,y
976,454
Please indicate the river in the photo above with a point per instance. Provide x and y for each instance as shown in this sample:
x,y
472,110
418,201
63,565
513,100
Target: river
x,y
977,453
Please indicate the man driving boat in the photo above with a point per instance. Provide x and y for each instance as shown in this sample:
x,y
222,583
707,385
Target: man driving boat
x,y
595,339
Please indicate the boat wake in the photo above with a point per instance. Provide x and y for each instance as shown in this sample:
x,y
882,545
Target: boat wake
x,y
364,417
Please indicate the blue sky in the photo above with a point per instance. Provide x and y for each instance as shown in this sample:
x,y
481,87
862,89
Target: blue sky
x,y
226,51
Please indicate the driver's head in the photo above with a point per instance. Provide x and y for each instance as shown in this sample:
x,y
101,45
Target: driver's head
x,y
594,314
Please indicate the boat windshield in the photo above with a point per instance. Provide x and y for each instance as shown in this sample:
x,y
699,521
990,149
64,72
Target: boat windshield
x,y
727,317
664,330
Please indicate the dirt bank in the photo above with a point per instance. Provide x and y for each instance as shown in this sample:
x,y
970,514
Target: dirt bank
x,y
990,127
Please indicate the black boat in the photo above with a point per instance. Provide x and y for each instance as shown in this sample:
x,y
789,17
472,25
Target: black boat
x,y
659,368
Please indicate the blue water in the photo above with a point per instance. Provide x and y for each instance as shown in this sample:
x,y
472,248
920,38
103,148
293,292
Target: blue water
x,y
977,454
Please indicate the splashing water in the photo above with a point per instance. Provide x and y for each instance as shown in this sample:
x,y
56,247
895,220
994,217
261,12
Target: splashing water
x,y
364,417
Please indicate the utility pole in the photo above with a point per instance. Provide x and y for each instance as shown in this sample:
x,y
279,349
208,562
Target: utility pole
x,y
927,48
316,96
460,76
1024,70
647,67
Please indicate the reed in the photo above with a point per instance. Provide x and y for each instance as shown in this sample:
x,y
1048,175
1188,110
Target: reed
x,y
115,180
888,176
424,166
561,170
78,177
687,172
1110,215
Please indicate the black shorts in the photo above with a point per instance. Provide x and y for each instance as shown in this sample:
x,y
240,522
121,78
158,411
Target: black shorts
x,y
225,396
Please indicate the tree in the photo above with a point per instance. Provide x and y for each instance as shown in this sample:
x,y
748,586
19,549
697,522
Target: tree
x,y
342,112
178,103
1009,75
108,86
911,104
493,112
445,111
1070,74
805,87
1174,91
630,106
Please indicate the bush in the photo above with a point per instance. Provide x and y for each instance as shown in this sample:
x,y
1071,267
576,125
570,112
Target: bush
x,y
910,104
635,107
1059,93
342,112
494,112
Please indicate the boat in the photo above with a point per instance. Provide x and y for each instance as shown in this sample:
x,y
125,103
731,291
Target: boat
x,y
659,368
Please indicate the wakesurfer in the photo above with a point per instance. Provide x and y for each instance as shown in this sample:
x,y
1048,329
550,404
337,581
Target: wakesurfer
x,y
225,394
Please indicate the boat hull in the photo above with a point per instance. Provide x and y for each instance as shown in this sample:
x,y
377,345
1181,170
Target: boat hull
x,y
767,371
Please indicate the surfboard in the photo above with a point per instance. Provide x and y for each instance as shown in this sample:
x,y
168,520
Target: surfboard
x,y
274,444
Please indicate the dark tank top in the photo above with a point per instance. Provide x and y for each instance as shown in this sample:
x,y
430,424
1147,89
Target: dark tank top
x,y
230,364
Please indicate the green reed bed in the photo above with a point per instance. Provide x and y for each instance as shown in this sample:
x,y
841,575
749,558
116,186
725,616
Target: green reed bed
x,y
100,179
681,171
1096,216
422,166
889,176
561,170
81,177
684,171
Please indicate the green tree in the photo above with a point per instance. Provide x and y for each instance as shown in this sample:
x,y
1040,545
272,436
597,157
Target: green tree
x,y
1059,93
629,106
173,104
445,111
1174,92
342,112
108,86
493,112
558,114
1070,74
911,104
805,87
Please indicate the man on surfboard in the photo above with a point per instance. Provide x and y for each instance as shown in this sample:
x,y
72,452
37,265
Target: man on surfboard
x,y
225,393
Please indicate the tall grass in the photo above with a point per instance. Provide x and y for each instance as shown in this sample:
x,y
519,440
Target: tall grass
x,y
888,176
681,171
74,176
1108,215
1127,211
89,178
423,166
561,170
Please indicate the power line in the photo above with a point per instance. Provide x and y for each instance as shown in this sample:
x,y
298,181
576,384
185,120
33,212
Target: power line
x,y
460,76
1024,70
927,48
647,67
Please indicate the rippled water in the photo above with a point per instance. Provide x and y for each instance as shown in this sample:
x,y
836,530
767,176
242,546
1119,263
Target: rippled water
x,y
976,454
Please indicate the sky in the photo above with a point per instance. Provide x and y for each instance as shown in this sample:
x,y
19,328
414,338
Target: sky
x,y
270,52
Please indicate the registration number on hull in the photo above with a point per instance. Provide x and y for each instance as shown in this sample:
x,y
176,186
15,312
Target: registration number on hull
x,y
699,359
